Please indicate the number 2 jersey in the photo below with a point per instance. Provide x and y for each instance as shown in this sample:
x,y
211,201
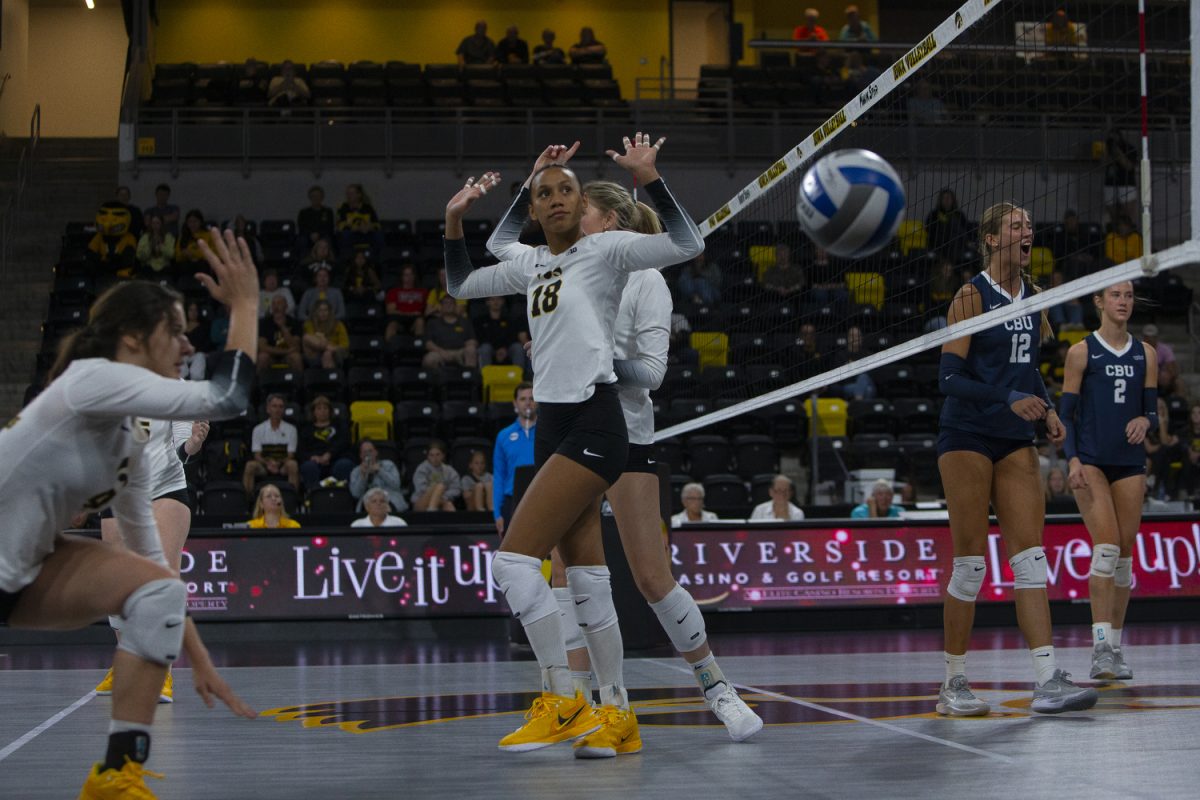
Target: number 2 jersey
x,y
81,445
1005,356
1109,397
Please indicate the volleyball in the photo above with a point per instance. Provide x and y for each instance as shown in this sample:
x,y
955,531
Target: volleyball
x,y
850,203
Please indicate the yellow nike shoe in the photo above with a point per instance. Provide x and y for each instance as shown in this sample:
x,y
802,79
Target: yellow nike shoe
x,y
105,686
618,735
167,694
118,784
552,719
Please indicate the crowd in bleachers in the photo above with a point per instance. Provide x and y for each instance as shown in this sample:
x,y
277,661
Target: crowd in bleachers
x,y
366,361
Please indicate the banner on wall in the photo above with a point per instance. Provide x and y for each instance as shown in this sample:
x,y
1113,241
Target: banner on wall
x,y
415,573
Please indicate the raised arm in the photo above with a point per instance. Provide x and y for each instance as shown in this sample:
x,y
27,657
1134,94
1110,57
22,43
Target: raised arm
x,y
114,389
463,281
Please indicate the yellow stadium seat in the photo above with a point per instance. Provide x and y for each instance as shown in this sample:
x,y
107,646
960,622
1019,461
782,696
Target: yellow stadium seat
x,y
831,416
762,256
500,382
371,419
1072,337
713,348
1041,263
866,288
912,236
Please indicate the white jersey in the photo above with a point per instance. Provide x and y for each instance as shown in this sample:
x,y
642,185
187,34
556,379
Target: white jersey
x,y
162,456
80,446
573,297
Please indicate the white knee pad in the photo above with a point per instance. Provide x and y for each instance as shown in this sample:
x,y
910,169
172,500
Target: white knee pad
x,y
1029,568
681,619
966,578
1123,576
572,633
153,620
1104,560
591,590
520,578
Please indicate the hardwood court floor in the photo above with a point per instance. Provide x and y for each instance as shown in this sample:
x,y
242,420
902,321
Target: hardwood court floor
x,y
848,715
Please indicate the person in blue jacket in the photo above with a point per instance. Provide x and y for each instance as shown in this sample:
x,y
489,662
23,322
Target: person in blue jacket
x,y
514,448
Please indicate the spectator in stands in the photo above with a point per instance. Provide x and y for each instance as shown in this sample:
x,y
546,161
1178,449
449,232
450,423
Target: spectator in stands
x,y
326,342
514,448
1060,31
780,506
137,223
362,281
878,504
1067,315
812,360
857,73
1073,247
856,29
436,484
681,351
947,226
269,511
319,292
699,283
113,249
477,48
512,49
319,255
1168,366
946,281
1123,243
1191,439
692,495
501,336
450,338
357,222
195,327
825,80
279,339
1164,450
187,248
270,290
287,89
254,77
219,329
787,278
433,300
923,107
405,305
810,31
861,386
477,484
156,248
1055,485
324,446
162,208
547,53
588,50
243,229
379,515
828,282
1120,177
273,444
374,472
316,220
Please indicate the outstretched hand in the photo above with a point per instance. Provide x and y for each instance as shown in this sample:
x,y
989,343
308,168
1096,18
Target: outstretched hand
x,y
639,157
211,685
236,278
558,154
471,191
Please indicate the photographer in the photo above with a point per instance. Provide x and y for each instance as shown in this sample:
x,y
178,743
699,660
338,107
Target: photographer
x,y
373,472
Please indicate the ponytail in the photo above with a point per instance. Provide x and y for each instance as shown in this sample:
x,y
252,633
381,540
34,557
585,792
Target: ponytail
x,y
645,220
1047,328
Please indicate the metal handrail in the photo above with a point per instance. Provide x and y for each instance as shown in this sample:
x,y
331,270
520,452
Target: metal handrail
x,y
10,216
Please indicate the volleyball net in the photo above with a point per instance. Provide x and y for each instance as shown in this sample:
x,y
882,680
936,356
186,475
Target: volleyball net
x,y
1083,122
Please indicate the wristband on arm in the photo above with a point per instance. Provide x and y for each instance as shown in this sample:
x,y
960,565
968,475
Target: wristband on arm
x,y
1066,413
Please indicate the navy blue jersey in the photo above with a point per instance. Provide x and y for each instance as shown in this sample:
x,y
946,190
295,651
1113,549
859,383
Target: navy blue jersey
x,y
1006,356
1110,396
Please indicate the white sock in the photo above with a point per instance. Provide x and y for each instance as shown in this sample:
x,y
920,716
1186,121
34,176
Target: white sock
x,y
707,673
120,726
545,637
582,681
1115,637
955,665
607,652
1102,633
1043,663
591,588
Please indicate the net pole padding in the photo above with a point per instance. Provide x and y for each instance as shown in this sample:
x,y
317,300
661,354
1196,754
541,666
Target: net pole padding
x,y
846,117
1144,183
1178,256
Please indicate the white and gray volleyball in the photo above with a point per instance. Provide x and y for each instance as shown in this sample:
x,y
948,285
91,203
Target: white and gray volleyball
x,y
850,203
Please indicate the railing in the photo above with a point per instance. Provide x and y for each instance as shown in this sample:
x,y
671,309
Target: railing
x,y
10,216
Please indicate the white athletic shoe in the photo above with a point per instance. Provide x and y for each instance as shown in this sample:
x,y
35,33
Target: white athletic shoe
x,y
1059,694
738,718
957,700
1122,671
1104,662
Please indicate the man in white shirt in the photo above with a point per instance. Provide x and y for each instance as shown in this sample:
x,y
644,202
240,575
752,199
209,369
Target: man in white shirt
x,y
692,495
273,445
779,507
375,501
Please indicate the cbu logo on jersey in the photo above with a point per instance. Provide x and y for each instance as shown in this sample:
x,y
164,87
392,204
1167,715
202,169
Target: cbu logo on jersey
x,y
1119,370
1019,324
